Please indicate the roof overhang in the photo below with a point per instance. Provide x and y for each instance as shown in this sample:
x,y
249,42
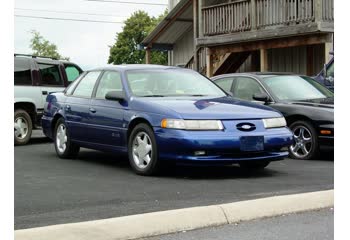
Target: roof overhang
x,y
171,28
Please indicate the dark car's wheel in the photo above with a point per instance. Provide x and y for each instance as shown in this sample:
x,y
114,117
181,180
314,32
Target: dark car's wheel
x,y
23,127
63,145
142,150
254,165
305,144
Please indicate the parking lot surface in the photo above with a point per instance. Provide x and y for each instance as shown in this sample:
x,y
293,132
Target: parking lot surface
x,y
49,190
317,225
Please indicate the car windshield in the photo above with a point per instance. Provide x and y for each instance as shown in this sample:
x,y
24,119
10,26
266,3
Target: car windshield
x,y
296,88
171,82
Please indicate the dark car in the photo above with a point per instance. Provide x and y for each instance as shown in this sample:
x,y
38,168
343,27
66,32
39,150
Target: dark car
x,y
34,78
157,113
326,76
306,104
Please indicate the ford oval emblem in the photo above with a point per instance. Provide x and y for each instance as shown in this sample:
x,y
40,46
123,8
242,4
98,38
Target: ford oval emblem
x,y
246,127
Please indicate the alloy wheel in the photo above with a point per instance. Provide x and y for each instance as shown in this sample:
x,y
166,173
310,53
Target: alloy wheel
x,y
21,128
302,142
142,150
61,138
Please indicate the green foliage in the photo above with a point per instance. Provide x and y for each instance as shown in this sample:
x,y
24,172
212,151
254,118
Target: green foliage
x,y
42,47
136,28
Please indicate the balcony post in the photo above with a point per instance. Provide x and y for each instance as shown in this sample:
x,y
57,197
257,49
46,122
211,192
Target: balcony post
x,y
195,34
318,10
148,55
209,63
263,60
253,14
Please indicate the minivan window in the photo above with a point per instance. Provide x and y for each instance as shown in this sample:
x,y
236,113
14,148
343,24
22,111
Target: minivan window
x,y
50,75
86,85
22,72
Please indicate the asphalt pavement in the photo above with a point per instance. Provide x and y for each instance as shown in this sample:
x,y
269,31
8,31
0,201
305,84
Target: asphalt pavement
x,y
318,225
97,185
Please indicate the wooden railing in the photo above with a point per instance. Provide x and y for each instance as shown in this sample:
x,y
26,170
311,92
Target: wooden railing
x,y
227,18
245,15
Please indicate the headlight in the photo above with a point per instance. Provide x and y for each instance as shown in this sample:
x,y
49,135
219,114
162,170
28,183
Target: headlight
x,y
275,122
192,124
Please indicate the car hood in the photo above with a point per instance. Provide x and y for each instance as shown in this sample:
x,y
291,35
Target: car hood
x,y
214,108
318,103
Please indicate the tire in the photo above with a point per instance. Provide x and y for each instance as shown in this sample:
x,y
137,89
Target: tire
x,y
23,127
305,146
149,163
254,165
63,145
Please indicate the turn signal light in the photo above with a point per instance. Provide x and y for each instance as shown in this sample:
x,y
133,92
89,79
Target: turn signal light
x,y
326,132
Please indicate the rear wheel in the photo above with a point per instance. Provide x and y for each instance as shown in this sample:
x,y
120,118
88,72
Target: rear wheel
x,y
254,165
63,145
23,127
142,150
305,144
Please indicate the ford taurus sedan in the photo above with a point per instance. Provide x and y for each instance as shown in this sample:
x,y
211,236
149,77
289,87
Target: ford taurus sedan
x,y
306,104
159,114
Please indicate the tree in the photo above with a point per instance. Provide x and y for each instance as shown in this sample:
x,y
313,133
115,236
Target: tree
x,y
136,28
42,47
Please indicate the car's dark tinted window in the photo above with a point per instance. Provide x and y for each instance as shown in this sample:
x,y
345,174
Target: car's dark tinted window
x,y
50,75
22,72
246,87
72,72
225,83
86,85
110,81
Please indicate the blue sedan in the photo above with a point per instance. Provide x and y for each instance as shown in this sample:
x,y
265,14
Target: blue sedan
x,y
158,114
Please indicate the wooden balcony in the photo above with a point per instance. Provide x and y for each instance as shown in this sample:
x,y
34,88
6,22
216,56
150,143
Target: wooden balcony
x,y
263,19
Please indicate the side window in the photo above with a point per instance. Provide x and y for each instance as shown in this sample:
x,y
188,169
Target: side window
x,y
72,72
110,81
225,83
86,85
22,72
72,85
50,75
246,87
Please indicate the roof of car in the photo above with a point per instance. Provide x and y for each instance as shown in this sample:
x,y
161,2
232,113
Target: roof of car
x,y
125,67
260,74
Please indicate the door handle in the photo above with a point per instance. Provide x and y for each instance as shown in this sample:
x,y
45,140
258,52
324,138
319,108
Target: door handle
x,y
93,110
44,92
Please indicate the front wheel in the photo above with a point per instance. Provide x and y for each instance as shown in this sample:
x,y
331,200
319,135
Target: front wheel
x,y
142,150
254,165
63,145
305,144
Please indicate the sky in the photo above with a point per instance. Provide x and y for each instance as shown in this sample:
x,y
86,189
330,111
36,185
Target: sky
x,y
85,43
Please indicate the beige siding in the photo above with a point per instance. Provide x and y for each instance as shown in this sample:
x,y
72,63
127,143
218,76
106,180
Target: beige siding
x,y
183,49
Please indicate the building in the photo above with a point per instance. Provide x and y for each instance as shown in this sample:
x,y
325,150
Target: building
x,y
224,36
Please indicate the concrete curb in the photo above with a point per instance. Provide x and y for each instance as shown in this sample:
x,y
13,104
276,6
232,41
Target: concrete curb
x,y
156,223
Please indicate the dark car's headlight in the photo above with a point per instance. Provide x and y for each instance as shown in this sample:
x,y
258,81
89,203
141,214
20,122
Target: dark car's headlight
x,y
274,122
192,124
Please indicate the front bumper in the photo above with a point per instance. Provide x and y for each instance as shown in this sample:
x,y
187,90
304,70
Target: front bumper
x,y
220,146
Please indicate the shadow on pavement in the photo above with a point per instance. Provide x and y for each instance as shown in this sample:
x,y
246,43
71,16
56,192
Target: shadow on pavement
x,y
177,171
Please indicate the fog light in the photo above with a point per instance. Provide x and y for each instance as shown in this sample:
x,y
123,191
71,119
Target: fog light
x,y
199,153
326,132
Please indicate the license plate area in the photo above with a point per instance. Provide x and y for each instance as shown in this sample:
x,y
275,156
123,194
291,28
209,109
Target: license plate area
x,y
252,143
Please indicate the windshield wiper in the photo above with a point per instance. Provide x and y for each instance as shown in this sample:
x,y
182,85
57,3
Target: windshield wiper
x,y
153,95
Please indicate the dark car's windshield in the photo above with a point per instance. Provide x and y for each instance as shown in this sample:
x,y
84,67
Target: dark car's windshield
x,y
171,82
296,88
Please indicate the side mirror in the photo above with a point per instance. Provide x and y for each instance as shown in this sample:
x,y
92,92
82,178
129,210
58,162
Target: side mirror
x,y
115,96
261,97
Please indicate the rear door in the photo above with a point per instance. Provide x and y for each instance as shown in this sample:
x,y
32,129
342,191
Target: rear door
x,y
77,107
107,117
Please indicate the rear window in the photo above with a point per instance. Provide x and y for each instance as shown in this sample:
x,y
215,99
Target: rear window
x,y
72,72
22,75
50,75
